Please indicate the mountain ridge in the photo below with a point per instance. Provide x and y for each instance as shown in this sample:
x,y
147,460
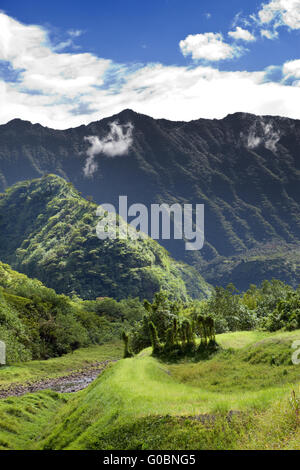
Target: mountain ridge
x,y
130,112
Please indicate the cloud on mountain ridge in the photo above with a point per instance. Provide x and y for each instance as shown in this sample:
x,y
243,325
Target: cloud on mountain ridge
x,y
116,143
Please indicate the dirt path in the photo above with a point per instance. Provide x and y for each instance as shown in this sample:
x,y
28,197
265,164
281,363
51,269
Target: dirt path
x,y
73,382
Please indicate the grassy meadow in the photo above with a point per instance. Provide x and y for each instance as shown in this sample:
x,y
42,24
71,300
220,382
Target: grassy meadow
x,y
225,402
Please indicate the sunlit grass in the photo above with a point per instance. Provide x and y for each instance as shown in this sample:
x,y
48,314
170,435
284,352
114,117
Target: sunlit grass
x,y
23,420
142,387
239,339
147,387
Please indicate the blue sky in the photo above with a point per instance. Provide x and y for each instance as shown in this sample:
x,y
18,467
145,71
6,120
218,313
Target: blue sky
x,y
63,63
149,31
118,30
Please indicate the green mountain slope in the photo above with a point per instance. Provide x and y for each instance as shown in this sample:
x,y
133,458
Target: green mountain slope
x,y
244,168
47,231
278,261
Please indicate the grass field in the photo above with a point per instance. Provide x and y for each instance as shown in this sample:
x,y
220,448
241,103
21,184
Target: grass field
x,y
226,402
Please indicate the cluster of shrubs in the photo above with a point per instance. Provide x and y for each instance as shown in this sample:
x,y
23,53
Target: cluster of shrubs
x,y
286,314
172,329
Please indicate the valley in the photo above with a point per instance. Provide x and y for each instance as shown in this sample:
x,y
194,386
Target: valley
x,y
149,231
212,333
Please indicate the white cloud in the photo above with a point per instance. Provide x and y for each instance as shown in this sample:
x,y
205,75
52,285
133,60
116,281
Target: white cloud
x,y
292,69
42,69
116,143
63,45
208,46
242,34
181,93
291,73
269,34
271,136
90,165
75,33
281,12
252,140
262,132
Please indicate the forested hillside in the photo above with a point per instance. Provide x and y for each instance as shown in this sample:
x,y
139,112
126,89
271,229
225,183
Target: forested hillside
x,y
48,231
36,323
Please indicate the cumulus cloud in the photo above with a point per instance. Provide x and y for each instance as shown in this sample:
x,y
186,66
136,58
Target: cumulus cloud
x,y
270,16
43,71
208,46
116,143
291,70
281,12
242,34
182,93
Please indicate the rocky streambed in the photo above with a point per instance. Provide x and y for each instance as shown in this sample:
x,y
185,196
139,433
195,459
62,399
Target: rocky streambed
x,y
72,382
